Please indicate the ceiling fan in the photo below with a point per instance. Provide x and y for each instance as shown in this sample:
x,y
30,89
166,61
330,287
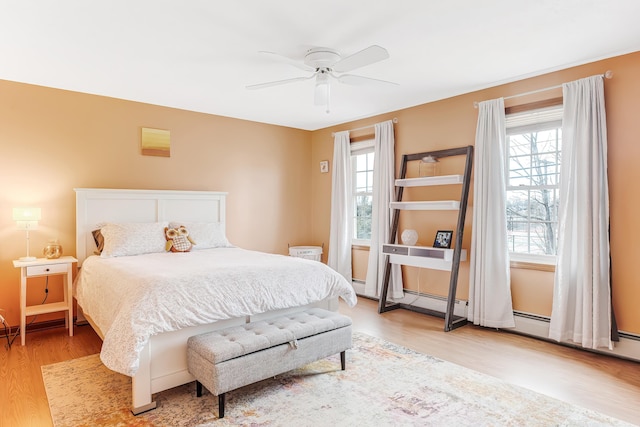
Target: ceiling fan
x,y
324,64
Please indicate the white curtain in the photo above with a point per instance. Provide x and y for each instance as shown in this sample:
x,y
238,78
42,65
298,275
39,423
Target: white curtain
x,y
340,234
490,281
582,298
382,217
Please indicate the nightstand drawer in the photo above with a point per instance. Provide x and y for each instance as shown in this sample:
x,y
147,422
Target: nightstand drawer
x,y
45,270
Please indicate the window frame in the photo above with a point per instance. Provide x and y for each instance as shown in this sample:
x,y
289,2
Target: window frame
x,y
533,119
359,148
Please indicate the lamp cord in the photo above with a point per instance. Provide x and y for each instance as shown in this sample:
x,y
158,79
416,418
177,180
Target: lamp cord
x,y
17,332
6,334
418,294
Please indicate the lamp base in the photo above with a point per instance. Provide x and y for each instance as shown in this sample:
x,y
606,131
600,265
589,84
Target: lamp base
x,y
27,258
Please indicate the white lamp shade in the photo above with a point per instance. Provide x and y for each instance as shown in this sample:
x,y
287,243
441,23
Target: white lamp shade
x,y
26,218
26,214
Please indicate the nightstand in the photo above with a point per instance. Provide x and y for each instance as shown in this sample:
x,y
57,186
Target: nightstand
x,y
46,267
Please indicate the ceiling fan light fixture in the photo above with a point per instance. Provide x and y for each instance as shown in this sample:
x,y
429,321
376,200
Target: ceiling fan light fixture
x,y
322,90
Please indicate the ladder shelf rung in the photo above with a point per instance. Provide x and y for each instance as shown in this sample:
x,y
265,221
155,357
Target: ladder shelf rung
x,y
430,180
437,205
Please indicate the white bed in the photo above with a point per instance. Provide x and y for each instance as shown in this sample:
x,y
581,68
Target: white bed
x,y
156,357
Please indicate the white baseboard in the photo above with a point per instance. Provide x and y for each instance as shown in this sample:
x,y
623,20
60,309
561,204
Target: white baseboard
x,y
538,327
358,287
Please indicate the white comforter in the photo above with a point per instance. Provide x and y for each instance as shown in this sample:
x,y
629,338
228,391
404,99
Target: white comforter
x,y
131,298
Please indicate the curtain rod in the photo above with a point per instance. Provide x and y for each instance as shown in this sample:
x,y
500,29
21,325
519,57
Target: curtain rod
x,y
607,75
394,120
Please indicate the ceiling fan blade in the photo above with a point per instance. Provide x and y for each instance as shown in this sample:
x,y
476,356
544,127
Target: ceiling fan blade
x,y
288,60
366,56
278,82
354,80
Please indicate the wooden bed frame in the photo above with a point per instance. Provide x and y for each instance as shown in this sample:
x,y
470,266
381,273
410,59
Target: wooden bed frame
x,y
163,362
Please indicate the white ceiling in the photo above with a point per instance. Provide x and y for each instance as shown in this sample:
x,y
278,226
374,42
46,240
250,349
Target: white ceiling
x,y
200,55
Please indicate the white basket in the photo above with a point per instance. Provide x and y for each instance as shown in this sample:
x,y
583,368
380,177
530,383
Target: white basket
x,y
307,252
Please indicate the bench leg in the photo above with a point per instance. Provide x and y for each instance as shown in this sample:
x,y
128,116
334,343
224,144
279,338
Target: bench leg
x,y
220,399
343,360
221,406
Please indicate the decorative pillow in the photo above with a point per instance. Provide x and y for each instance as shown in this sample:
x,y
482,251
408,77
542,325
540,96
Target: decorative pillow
x,y
99,239
178,239
205,234
124,239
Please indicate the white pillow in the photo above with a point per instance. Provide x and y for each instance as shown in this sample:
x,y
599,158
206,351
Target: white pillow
x,y
124,239
205,234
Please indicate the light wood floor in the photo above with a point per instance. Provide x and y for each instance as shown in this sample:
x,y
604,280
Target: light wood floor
x,y
602,383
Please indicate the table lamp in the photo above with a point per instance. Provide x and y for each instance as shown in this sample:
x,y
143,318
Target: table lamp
x,y
27,219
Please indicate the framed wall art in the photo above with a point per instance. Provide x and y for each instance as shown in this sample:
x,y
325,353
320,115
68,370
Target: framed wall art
x,y
155,142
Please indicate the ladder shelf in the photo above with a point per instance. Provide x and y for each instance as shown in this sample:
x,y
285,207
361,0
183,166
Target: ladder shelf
x,y
423,256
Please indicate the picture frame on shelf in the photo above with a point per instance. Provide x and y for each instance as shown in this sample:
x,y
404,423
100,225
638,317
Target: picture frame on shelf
x,y
443,239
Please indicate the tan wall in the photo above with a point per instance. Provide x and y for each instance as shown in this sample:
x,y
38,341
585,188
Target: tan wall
x,y
359,263
52,141
452,123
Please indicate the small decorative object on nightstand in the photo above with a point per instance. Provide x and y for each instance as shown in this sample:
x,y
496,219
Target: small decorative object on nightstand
x,y
53,250
46,267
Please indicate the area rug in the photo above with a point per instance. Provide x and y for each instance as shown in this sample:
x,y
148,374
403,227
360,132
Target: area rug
x,y
384,385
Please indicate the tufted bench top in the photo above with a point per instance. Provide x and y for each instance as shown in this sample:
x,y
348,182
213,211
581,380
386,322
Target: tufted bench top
x,y
236,341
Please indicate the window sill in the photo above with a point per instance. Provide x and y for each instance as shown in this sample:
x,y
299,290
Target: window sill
x,y
538,262
533,262
533,266
361,245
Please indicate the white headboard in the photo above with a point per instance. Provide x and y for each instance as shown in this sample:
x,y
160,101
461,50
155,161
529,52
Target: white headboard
x,y
99,205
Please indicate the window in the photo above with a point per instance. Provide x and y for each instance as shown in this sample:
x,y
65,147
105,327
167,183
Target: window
x,y
534,142
362,158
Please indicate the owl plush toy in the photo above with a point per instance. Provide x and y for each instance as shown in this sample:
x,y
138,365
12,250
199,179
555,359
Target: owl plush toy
x,y
178,239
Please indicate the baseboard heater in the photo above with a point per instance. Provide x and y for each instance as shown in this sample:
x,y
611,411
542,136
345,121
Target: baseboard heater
x,y
537,326
532,325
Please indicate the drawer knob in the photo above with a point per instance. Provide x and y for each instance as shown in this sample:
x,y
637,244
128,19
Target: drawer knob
x,y
46,269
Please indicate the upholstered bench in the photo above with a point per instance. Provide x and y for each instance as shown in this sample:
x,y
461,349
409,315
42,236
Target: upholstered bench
x,y
234,357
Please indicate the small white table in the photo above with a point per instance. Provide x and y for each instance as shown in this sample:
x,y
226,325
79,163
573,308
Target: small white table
x,y
46,267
